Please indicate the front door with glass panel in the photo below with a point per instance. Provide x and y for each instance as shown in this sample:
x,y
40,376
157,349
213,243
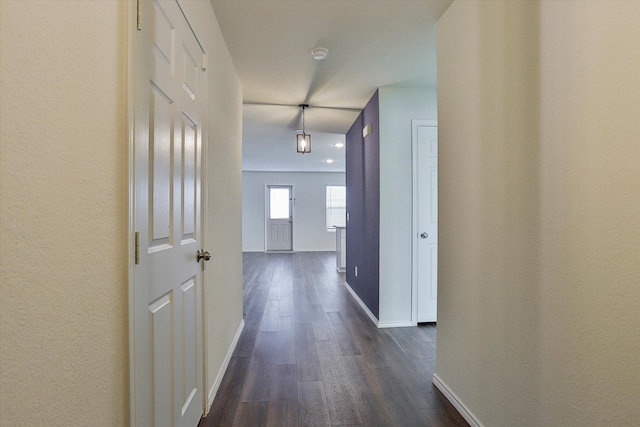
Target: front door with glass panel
x,y
279,218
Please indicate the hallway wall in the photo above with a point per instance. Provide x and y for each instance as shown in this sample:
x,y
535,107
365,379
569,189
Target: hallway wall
x,y
380,201
363,206
64,330
539,123
223,227
398,106
63,214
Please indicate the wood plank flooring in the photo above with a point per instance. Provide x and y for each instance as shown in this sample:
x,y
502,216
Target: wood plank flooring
x,y
309,356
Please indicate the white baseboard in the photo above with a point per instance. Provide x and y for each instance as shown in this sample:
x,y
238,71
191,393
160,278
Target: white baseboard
x,y
362,304
456,402
395,324
373,318
225,364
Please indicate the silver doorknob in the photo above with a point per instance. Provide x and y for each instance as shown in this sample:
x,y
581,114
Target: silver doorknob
x,y
205,255
424,235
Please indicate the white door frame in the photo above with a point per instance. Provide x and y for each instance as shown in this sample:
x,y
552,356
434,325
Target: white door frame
x,y
265,214
414,215
132,17
132,24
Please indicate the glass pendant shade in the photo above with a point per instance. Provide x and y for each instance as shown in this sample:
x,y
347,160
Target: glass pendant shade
x,y
303,143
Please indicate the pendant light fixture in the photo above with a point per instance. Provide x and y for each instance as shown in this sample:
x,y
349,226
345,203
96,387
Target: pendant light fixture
x,y
303,140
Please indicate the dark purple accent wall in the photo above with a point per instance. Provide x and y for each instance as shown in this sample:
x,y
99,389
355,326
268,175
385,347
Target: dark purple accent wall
x,y
363,206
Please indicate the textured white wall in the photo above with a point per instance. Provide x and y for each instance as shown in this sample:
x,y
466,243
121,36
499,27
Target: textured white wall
x,y
223,273
63,213
398,106
309,226
63,194
539,287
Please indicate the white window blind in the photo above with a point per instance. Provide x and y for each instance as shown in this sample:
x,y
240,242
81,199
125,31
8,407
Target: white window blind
x,y
336,206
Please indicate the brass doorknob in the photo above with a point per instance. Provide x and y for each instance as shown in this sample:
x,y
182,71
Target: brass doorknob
x,y
205,255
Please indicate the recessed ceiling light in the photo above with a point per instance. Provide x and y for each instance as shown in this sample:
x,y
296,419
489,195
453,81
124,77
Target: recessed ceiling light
x,y
338,145
329,160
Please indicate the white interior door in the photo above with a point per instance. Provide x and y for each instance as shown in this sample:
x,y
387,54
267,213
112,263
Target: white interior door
x,y
279,218
427,222
167,292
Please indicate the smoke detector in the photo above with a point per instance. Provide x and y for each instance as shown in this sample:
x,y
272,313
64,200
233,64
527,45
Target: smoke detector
x,y
320,53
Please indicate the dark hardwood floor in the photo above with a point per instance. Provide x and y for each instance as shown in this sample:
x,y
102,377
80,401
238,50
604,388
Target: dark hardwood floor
x,y
309,356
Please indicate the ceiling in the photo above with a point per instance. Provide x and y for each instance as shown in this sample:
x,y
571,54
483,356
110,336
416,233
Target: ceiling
x,y
371,44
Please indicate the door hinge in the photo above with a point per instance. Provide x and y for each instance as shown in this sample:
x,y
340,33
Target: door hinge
x,y
137,244
203,62
139,15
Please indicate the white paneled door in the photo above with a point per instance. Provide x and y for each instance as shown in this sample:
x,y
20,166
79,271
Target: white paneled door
x,y
279,218
167,353
427,221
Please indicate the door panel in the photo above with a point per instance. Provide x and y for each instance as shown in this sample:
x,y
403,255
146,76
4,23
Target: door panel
x,y
189,170
279,218
427,182
161,314
189,345
167,291
160,166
